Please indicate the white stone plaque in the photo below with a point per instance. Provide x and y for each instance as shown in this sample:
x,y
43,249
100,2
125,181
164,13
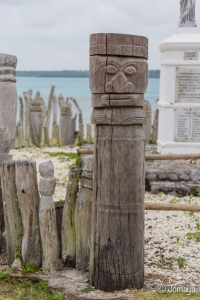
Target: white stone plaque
x,y
188,85
190,55
187,125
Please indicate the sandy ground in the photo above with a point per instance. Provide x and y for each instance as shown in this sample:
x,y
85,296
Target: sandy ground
x,y
61,164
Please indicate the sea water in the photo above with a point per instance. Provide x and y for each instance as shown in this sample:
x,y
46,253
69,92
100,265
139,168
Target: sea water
x,y
77,88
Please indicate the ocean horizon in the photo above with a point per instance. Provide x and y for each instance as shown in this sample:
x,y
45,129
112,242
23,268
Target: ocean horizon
x,y
77,88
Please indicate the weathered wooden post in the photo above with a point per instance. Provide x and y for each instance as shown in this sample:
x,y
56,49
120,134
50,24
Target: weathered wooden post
x,y
36,119
55,127
118,80
47,217
68,222
22,116
46,126
89,133
83,215
28,197
65,120
154,133
27,98
12,214
8,104
147,126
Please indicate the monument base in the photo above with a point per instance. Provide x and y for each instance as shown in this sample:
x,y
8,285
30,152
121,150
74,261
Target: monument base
x,y
178,148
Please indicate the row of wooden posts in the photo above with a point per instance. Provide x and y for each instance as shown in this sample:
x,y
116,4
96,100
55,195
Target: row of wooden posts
x,y
34,124
102,229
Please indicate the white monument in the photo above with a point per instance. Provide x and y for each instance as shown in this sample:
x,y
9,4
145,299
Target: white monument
x,y
179,101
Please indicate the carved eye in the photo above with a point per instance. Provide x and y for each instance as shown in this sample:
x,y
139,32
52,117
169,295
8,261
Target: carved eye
x,y
130,70
111,70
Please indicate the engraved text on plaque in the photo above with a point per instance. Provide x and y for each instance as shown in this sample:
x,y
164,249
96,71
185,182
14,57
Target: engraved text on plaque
x,y
187,125
188,85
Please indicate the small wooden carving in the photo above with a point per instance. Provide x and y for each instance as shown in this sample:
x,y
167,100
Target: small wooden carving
x,y
118,80
47,217
36,119
28,197
68,223
83,215
65,120
27,97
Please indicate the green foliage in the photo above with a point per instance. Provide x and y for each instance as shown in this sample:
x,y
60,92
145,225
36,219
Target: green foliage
x,y
174,200
181,261
17,252
14,270
59,202
88,289
160,194
27,290
30,268
4,275
69,155
198,191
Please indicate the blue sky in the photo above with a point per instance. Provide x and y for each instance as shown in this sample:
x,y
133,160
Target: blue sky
x,y
54,34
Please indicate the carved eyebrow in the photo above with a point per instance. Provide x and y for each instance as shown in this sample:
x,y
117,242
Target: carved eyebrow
x,y
127,64
113,63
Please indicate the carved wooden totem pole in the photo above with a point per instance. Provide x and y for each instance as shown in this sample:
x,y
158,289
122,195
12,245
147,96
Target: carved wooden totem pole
x,y
118,80
8,104
36,119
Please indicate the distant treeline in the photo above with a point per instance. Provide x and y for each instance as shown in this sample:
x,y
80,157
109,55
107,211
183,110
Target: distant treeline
x,y
72,74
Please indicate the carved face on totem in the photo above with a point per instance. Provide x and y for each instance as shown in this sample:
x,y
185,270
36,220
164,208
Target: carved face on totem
x,y
121,75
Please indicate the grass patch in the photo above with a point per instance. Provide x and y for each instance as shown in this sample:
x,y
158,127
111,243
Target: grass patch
x,y
88,289
29,269
26,290
69,155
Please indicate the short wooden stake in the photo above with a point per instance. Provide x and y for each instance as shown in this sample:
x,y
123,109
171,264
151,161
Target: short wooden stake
x,y
28,197
12,214
83,215
47,217
68,223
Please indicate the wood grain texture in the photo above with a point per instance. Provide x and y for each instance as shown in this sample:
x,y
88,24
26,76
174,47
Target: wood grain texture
x,y
68,223
28,197
83,215
147,126
12,214
117,219
117,100
119,75
36,122
118,116
154,133
89,133
171,207
118,44
47,217
27,99
47,122
65,120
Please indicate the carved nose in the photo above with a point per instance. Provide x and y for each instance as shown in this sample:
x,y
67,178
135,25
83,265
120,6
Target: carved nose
x,y
119,80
